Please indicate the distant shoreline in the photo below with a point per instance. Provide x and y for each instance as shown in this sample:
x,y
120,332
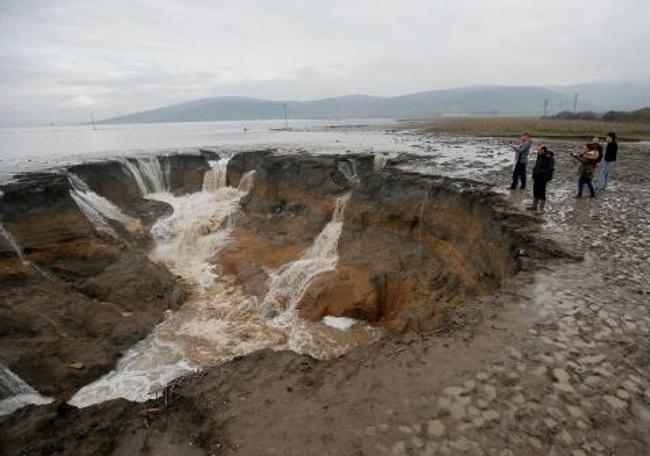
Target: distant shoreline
x,y
538,127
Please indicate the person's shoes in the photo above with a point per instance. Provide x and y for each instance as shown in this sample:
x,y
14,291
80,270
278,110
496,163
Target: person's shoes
x,y
542,203
522,188
578,196
593,195
531,208
512,187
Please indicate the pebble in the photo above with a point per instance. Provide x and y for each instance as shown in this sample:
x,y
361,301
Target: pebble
x,y
482,376
399,449
490,392
623,394
561,375
491,415
417,442
615,402
405,429
453,391
574,411
436,428
430,448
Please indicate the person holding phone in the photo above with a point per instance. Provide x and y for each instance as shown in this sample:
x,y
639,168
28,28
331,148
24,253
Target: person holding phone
x,y
521,159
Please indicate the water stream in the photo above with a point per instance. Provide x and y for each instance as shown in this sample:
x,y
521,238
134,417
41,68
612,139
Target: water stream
x,y
219,321
16,393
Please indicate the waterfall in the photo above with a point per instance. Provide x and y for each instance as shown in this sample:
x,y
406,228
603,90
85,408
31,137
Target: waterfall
x,y
19,253
349,170
214,324
380,160
216,176
13,243
16,393
148,174
98,210
289,283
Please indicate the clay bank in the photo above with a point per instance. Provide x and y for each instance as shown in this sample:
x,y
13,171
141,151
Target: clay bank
x,y
119,277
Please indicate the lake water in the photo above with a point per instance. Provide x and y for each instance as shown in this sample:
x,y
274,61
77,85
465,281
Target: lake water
x,y
37,148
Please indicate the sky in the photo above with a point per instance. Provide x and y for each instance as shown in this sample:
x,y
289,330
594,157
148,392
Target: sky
x,y
62,61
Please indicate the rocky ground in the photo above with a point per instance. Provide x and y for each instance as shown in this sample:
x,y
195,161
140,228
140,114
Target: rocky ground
x,y
556,361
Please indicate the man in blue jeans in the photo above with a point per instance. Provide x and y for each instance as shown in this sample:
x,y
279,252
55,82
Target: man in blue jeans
x,y
521,159
610,161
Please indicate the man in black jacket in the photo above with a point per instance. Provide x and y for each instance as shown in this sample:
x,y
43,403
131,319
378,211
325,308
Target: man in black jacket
x,y
542,174
610,161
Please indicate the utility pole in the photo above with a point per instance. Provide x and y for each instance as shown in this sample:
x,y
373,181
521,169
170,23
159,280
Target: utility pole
x,y
575,102
545,107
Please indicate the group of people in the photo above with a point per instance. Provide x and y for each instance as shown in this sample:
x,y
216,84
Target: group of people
x,y
588,160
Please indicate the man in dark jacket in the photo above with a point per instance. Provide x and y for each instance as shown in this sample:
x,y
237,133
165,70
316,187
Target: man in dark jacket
x,y
611,151
542,175
521,159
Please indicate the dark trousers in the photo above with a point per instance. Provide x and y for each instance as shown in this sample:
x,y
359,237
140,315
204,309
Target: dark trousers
x,y
581,184
519,173
539,189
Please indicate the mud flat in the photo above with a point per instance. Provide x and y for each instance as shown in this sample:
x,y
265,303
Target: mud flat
x,y
496,338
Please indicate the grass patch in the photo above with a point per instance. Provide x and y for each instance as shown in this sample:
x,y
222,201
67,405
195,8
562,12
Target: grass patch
x,y
538,127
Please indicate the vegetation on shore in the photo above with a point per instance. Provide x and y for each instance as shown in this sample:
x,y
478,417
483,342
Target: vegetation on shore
x,y
539,127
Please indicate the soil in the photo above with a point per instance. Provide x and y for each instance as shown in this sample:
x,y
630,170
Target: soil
x,y
554,362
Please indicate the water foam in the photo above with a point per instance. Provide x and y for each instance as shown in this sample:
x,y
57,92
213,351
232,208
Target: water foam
x,y
15,393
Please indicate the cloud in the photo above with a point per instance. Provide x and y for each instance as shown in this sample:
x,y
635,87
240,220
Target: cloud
x,y
80,101
129,55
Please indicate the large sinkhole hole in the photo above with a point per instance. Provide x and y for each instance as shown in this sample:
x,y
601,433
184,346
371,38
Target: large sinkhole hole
x,y
158,266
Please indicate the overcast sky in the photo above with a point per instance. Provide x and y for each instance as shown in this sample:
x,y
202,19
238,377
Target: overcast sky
x,y
60,61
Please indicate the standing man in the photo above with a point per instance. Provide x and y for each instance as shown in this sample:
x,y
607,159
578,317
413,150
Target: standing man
x,y
610,160
521,158
542,175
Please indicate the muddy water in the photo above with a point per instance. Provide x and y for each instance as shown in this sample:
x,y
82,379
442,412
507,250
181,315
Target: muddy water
x,y
219,321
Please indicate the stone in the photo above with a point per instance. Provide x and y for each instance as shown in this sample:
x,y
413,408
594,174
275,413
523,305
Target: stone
x,y
574,411
539,371
482,376
490,392
615,402
491,415
436,428
430,449
405,429
564,387
457,410
482,403
417,442
453,391
399,449
76,365
596,359
561,375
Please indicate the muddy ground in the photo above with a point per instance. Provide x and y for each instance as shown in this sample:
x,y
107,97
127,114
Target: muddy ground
x,y
556,362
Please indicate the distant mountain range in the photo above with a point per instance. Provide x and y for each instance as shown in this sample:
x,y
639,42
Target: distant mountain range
x,y
479,100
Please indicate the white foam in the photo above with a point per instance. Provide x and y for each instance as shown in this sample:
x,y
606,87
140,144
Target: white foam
x,y
340,323
16,393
